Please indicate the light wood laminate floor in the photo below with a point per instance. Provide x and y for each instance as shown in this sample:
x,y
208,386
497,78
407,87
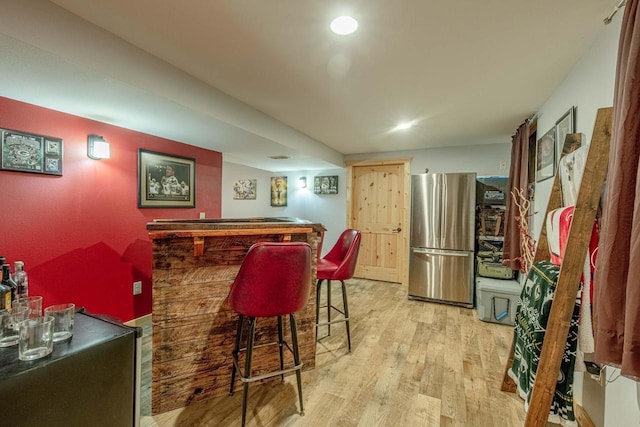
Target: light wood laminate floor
x,y
412,363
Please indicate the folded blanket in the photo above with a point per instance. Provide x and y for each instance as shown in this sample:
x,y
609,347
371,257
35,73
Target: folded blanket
x,y
532,316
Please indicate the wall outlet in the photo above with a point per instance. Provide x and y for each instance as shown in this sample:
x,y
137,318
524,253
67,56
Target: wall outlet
x,y
137,288
201,215
503,165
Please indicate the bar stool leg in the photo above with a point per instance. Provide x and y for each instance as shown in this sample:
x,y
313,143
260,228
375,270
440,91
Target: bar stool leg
x,y
318,287
247,366
329,307
296,358
236,351
280,345
346,313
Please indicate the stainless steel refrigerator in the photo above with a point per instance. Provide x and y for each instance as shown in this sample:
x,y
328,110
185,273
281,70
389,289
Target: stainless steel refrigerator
x,y
441,262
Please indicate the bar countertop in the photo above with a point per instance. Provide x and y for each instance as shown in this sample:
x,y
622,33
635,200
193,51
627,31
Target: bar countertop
x,y
230,223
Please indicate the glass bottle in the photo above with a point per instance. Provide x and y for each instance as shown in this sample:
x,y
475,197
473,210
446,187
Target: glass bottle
x,y
5,297
21,279
8,281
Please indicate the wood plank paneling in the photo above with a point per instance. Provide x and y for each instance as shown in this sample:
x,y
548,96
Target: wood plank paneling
x,y
193,326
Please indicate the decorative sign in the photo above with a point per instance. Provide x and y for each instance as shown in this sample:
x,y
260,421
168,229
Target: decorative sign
x,y
244,189
27,152
278,191
325,184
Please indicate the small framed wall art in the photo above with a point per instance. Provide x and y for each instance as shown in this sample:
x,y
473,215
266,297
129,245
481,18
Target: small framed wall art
x,y
278,191
325,184
28,152
546,156
564,126
244,189
165,180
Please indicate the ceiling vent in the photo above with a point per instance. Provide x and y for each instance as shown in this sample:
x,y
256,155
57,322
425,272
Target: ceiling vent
x,y
279,157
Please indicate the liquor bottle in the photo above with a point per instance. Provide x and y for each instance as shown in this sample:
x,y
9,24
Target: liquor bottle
x,y
5,296
8,281
21,279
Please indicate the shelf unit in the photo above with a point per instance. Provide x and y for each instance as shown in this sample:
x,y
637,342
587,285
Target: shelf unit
x,y
490,216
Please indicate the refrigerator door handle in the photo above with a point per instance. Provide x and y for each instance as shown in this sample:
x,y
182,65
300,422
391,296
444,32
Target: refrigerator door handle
x,y
441,253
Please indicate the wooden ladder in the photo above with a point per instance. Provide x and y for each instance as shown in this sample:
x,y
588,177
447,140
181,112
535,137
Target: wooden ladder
x,y
570,271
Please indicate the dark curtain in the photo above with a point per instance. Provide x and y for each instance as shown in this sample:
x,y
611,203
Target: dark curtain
x,y
617,296
518,178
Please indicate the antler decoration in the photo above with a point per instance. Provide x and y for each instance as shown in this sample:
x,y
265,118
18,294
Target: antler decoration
x,y
527,243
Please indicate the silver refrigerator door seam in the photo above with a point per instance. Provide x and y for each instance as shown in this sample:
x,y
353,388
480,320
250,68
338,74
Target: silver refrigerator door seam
x,y
440,252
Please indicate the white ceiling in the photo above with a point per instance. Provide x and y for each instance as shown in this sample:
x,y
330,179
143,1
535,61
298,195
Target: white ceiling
x,y
217,73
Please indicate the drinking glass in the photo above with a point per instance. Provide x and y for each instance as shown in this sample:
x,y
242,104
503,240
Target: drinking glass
x,y
34,303
63,315
9,321
35,338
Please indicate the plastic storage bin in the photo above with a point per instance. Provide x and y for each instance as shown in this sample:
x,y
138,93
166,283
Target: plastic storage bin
x,y
497,300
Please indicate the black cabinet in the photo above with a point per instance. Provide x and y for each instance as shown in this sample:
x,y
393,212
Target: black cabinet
x,y
88,381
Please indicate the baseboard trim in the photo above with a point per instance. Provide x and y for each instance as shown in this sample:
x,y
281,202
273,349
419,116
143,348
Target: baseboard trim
x,y
139,321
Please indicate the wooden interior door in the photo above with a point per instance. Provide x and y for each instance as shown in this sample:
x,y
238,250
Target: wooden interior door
x,y
378,198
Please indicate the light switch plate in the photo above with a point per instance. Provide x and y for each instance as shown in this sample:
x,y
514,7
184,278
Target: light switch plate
x,y
137,288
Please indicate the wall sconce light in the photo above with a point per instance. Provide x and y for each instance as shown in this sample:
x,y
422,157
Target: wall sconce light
x,y
98,148
302,182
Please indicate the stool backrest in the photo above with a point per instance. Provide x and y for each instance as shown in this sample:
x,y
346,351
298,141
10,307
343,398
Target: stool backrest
x,y
345,254
274,280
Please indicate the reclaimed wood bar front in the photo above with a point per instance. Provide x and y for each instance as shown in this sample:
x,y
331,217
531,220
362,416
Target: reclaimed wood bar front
x,y
194,263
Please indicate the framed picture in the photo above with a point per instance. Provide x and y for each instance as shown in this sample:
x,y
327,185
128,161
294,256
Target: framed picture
x,y
28,152
325,184
546,155
278,191
166,181
564,126
244,189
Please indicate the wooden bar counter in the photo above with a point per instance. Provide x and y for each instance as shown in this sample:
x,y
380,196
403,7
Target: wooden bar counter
x,y
194,263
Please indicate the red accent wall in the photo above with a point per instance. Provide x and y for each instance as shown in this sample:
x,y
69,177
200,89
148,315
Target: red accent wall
x,y
81,235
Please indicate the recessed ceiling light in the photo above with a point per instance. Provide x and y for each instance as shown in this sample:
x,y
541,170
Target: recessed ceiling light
x,y
403,126
344,25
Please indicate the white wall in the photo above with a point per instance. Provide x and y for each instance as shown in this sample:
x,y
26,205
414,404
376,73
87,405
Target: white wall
x,y
485,160
589,86
328,210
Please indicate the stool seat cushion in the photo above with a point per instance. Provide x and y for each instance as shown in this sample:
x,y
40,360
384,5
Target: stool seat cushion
x,y
274,280
326,269
340,262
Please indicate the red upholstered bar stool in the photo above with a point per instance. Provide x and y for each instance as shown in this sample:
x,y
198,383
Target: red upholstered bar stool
x,y
338,264
274,280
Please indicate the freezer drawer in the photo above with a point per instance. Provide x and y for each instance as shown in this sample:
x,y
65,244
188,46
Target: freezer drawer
x,y
440,275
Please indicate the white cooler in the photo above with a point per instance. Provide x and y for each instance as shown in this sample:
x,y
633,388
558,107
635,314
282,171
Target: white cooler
x,y
496,300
